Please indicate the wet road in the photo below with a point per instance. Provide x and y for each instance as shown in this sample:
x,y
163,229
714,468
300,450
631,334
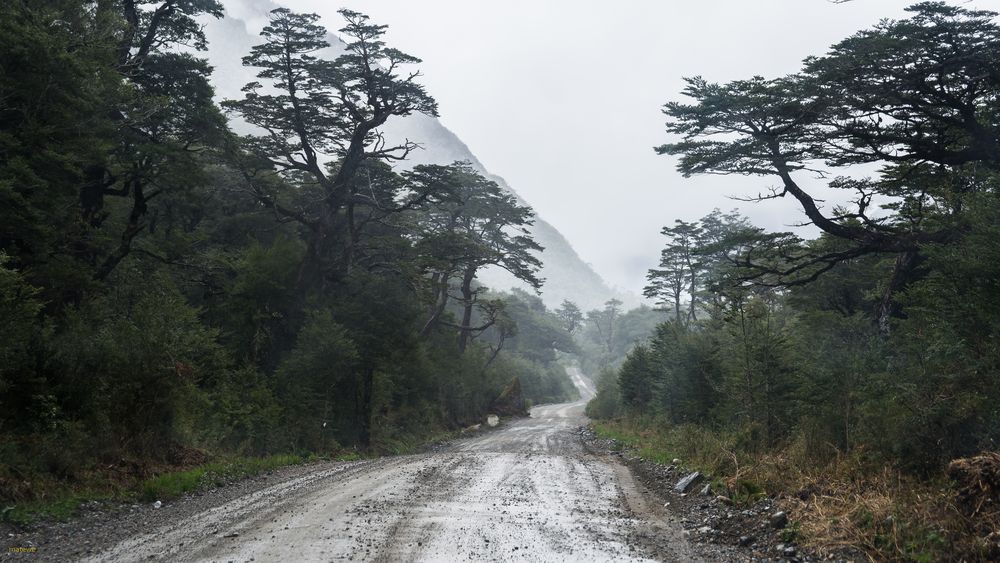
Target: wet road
x,y
526,492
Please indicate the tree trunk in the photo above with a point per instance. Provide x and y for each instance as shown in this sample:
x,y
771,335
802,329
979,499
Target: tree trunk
x,y
133,228
316,265
748,375
694,304
496,352
367,394
92,194
354,236
440,283
887,307
465,331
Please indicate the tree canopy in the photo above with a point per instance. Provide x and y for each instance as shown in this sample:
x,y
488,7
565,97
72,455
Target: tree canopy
x,y
915,98
170,287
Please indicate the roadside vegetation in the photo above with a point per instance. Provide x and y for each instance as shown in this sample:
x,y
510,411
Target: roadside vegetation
x,y
855,375
62,500
183,302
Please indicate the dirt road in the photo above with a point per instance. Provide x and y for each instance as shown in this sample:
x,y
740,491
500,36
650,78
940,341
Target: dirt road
x,y
526,492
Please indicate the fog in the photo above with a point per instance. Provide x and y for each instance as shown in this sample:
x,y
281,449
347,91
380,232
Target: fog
x,y
563,98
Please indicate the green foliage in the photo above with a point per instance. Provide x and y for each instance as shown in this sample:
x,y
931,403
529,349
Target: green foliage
x,y
167,287
635,379
540,382
257,309
324,358
476,224
747,492
696,447
171,485
22,327
60,509
878,335
607,335
873,99
176,483
246,415
570,315
607,403
134,362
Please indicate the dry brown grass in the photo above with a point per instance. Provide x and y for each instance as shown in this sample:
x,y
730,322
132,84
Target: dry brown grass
x,y
884,514
845,502
838,502
887,514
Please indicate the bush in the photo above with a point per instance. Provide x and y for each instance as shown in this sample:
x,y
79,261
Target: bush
x,y
323,362
607,402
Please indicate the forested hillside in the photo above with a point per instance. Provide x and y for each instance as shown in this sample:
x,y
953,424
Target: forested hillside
x,y
229,244
843,372
567,275
173,290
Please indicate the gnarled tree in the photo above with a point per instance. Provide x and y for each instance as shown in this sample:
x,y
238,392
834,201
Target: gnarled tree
x,y
917,98
311,112
478,225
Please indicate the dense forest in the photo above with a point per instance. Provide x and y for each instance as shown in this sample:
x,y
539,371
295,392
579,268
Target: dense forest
x,y
171,289
184,279
814,367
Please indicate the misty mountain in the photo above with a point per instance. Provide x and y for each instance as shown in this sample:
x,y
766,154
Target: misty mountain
x,y
566,275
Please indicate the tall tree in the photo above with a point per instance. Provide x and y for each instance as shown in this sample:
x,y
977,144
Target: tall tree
x,y
162,151
58,72
570,315
315,111
121,113
917,97
605,322
478,225
679,271
699,257
164,115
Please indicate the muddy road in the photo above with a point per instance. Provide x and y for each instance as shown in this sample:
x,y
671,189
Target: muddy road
x,y
525,492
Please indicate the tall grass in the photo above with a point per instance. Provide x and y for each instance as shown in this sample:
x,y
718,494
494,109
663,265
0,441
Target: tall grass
x,y
839,502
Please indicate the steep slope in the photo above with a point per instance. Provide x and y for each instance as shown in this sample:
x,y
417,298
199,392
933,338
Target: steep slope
x,y
566,275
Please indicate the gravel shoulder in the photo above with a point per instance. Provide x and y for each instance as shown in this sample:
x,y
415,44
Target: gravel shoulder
x,y
714,528
99,526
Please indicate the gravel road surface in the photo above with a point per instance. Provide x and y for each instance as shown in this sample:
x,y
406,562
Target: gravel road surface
x,y
525,492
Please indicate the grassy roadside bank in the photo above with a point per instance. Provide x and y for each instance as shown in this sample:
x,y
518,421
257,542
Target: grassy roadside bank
x,y
840,503
60,500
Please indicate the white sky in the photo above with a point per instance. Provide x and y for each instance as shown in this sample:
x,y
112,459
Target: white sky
x,y
562,98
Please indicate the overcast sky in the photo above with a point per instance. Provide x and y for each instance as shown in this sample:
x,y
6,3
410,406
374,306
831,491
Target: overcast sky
x,y
562,98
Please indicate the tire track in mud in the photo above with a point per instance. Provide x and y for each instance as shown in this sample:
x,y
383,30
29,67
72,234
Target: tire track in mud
x,y
411,530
